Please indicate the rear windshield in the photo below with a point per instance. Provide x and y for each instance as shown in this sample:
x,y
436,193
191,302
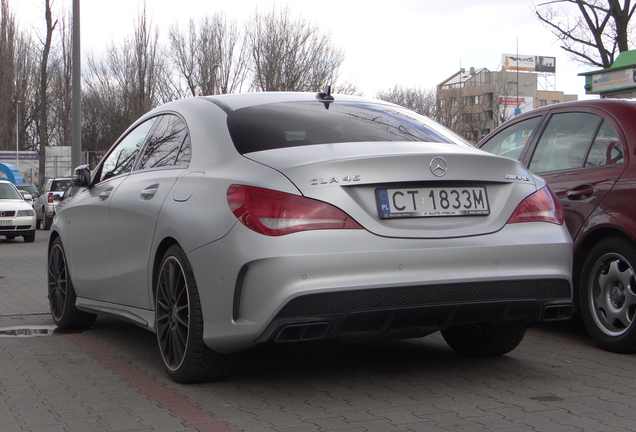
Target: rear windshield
x,y
291,124
60,185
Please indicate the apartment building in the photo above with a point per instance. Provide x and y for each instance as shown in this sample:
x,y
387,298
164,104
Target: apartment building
x,y
474,102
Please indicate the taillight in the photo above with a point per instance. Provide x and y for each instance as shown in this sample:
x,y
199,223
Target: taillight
x,y
275,213
541,206
49,197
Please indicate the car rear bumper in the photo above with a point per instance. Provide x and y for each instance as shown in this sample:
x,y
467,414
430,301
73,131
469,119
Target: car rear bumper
x,y
328,283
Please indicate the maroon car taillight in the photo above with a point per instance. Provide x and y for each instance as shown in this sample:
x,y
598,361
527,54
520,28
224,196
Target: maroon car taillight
x,y
49,197
275,213
541,206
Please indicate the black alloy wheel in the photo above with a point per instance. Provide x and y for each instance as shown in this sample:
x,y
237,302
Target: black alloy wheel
x,y
179,324
61,293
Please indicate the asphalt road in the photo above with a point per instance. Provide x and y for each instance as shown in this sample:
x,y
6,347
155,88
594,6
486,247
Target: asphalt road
x,y
110,378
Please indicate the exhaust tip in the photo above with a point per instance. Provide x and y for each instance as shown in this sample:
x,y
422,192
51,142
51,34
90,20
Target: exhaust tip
x,y
303,332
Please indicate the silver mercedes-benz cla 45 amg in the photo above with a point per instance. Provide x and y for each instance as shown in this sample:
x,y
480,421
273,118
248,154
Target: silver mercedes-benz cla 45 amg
x,y
222,222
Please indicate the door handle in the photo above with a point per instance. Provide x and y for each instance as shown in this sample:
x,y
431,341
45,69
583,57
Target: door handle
x,y
149,192
580,192
104,195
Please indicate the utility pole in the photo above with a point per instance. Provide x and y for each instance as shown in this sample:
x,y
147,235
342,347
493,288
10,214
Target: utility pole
x,y
76,97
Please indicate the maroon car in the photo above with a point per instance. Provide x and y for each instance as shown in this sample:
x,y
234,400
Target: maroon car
x,y
584,151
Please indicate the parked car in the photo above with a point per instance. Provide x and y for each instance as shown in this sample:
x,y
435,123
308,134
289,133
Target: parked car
x,y
223,222
583,150
17,217
29,189
47,200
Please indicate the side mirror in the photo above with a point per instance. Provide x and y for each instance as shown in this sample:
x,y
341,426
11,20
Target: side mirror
x,y
81,176
27,196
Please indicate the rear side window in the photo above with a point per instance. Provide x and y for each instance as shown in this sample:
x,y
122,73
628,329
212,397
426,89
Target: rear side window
x,y
279,125
168,144
606,148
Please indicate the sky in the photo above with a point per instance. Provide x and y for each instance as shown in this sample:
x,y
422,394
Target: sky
x,y
412,43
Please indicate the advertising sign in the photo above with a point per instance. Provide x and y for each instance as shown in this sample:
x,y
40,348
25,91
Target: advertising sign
x,y
613,80
508,104
529,63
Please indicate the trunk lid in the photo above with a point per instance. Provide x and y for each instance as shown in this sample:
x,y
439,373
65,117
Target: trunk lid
x,y
355,176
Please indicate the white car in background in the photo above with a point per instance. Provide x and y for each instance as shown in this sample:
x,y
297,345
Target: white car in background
x,y
17,217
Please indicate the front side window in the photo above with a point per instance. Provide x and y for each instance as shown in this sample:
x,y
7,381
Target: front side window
x,y
164,147
289,124
565,142
122,157
511,141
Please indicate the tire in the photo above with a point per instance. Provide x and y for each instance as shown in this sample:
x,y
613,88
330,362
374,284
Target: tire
x,y
179,324
484,340
29,238
47,222
61,293
608,295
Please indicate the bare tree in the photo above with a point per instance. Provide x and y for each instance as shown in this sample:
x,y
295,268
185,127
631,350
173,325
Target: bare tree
x,y
347,88
8,101
421,101
43,96
26,90
210,57
121,86
594,32
290,54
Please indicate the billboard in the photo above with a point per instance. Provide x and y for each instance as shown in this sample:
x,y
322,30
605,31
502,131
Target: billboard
x,y
528,63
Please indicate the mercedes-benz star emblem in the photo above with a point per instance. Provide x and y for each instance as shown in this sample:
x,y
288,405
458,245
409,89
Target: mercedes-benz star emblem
x,y
438,167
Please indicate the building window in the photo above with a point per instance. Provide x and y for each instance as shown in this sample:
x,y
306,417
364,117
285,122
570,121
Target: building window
x,y
542,102
467,100
478,100
453,102
555,102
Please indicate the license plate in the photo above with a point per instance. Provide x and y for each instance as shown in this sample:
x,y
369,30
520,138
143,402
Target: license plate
x,y
433,202
5,222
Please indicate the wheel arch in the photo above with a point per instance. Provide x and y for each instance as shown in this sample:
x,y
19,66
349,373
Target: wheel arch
x,y
164,245
54,235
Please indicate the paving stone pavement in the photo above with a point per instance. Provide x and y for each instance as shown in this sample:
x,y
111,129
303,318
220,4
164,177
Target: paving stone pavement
x,y
110,378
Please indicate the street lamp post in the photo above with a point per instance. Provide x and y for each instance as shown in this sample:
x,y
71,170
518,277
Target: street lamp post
x,y
17,135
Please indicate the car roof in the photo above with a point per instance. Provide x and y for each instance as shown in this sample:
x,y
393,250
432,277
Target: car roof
x,y
606,104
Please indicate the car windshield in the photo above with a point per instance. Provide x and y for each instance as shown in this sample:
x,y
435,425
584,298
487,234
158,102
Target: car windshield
x,y
291,124
8,191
